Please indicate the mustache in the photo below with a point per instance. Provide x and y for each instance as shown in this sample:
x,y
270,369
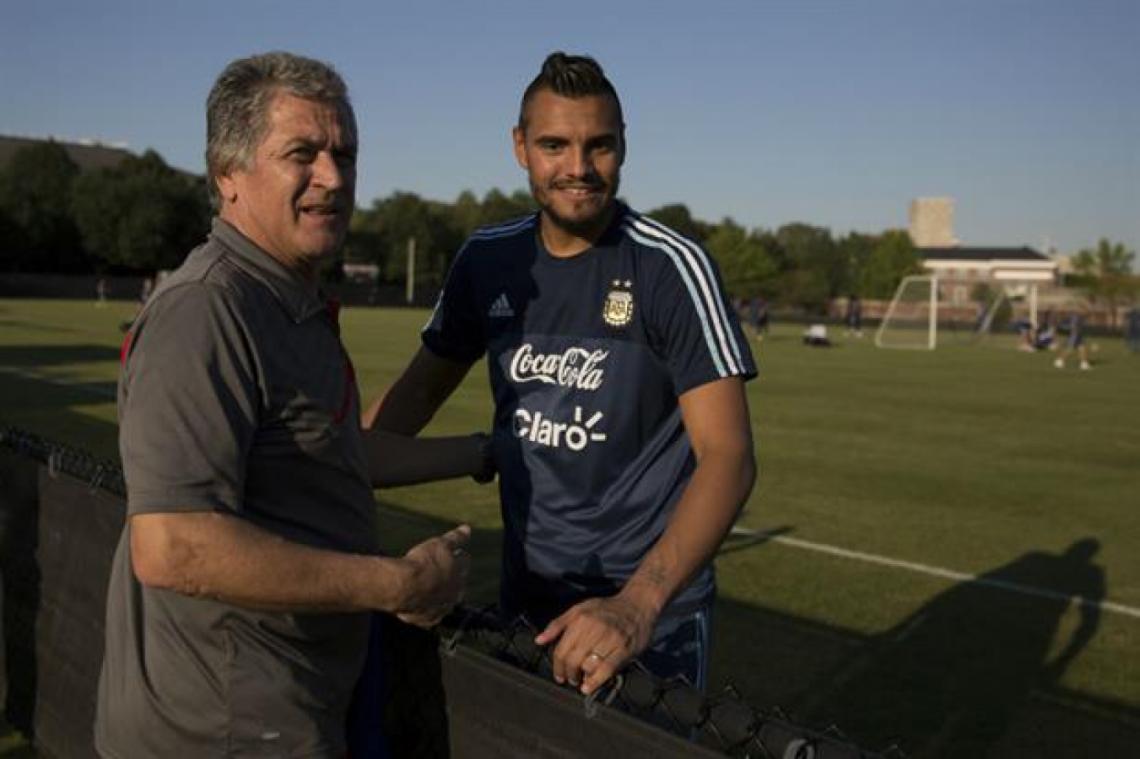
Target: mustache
x,y
585,183
330,202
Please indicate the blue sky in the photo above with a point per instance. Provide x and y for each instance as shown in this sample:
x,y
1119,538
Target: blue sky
x,y
833,112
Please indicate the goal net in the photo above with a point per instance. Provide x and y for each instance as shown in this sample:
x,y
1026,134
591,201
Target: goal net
x,y
925,313
911,320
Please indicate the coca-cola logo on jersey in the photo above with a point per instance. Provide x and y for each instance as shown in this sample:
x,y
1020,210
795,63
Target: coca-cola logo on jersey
x,y
574,367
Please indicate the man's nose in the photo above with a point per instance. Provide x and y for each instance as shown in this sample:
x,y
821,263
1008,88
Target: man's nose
x,y
327,172
581,163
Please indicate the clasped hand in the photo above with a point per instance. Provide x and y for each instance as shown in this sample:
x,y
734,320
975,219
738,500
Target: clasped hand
x,y
440,567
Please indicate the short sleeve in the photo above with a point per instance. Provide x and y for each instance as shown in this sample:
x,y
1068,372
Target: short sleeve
x,y
695,328
455,330
188,404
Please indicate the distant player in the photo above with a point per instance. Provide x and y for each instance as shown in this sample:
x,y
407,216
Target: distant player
x,y
1132,329
1075,343
758,315
854,316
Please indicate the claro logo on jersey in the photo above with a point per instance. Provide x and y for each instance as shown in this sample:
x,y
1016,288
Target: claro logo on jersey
x,y
576,435
574,367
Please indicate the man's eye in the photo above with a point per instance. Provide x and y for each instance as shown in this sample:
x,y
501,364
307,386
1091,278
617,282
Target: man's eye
x,y
301,155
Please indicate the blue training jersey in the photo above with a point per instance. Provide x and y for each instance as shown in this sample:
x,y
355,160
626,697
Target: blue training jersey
x,y
587,357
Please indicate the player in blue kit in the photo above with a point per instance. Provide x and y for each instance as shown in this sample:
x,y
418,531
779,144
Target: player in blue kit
x,y
621,429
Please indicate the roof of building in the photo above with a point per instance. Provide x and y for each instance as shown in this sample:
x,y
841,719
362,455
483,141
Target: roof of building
x,y
87,156
1023,253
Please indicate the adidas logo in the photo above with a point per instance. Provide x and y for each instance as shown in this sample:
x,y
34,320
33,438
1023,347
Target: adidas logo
x,y
501,308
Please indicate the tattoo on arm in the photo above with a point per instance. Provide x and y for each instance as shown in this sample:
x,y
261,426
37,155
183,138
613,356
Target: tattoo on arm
x,y
655,573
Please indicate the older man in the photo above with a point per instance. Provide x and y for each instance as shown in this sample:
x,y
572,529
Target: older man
x,y
235,614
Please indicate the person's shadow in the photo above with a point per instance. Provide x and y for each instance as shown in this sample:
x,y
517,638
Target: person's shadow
x,y
949,680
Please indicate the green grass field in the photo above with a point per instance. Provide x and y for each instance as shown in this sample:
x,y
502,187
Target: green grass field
x,y
887,480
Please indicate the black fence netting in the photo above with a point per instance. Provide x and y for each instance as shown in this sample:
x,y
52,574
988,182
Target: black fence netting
x,y
60,519
476,687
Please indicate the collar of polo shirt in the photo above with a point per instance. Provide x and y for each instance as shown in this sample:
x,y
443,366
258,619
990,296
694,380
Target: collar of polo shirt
x,y
299,298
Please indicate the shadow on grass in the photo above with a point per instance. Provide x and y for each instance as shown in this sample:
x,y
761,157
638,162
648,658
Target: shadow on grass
x,y
25,324
969,674
55,355
48,409
740,539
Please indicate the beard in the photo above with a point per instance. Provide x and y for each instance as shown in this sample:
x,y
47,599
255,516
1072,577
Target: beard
x,y
586,218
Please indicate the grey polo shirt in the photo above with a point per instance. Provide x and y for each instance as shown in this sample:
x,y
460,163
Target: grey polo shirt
x,y
236,397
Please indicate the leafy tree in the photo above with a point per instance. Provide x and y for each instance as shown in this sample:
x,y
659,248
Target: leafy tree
x,y
893,257
854,250
141,214
35,197
806,289
381,234
364,240
1107,271
745,266
677,217
811,271
498,207
12,239
467,212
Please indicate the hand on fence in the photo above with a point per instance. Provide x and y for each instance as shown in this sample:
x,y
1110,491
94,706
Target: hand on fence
x,y
595,639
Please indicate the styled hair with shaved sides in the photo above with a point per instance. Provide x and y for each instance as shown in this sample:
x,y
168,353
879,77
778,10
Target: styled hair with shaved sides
x,y
237,109
571,76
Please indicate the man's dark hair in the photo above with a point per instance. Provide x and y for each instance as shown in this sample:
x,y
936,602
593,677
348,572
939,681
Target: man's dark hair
x,y
571,76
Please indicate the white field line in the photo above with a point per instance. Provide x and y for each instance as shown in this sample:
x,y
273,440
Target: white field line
x,y
947,574
79,384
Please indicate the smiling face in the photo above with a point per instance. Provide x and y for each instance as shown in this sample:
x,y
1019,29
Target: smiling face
x,y
296,196
572,150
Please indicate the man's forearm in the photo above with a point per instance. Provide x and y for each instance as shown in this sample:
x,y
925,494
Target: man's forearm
x,y
403,409
597,636
216,556
395,460
705,513
415,396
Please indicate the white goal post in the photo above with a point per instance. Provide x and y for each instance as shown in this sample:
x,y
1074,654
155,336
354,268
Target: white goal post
x,y
920,315
911,320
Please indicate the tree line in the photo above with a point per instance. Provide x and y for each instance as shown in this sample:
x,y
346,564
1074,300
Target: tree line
x,y
143,215
140,215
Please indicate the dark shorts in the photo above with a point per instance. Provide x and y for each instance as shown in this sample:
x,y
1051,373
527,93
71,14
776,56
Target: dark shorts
x,y
681,648
366,739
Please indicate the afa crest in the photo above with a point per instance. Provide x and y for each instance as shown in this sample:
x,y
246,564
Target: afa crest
x,y
618,308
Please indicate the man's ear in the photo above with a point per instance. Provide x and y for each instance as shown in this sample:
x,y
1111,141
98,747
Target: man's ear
x,y
227,188
518,137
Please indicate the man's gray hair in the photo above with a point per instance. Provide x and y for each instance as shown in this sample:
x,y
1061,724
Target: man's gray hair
x,y
237,110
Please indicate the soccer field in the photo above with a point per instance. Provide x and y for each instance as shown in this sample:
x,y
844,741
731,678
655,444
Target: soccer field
x,y
906,565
